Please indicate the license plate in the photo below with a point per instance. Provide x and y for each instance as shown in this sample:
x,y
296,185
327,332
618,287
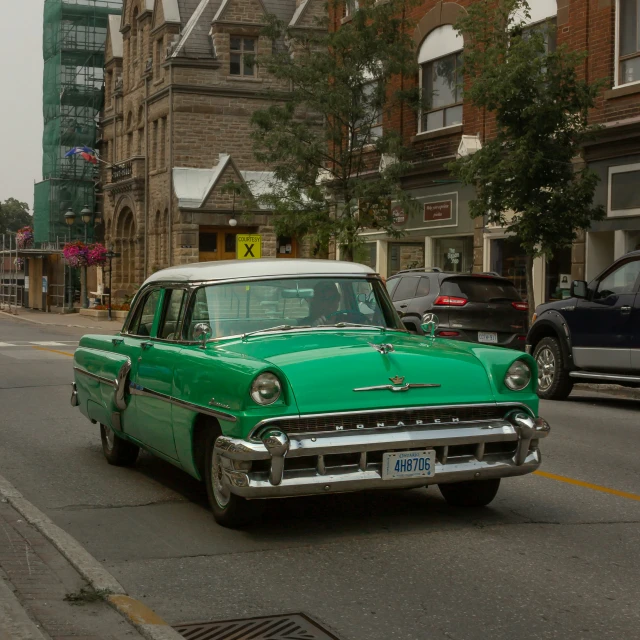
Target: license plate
x,y
409,464
488,336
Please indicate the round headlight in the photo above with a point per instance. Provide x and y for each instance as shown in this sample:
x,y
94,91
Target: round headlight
x,y
266,388
518,376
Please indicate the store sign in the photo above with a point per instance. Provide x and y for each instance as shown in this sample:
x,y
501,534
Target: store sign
x,y
400,216
438,211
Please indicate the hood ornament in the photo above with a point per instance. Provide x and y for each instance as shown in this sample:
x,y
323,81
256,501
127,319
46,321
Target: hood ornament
x,y
382,348
397,380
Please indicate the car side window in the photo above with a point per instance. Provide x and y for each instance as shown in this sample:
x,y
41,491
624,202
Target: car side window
x,y
391,286
174,303
142,323
622,280
423,288
406,289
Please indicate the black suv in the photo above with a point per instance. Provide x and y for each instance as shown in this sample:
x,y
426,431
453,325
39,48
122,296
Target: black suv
x,y
593,336
481,307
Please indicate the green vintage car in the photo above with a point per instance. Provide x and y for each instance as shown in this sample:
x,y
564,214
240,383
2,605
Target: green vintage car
x,y
276,378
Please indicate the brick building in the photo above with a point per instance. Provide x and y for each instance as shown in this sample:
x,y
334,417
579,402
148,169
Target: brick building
x,y
179,94
443,234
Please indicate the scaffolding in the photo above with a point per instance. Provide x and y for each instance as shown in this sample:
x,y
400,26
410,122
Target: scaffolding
x,y
75,32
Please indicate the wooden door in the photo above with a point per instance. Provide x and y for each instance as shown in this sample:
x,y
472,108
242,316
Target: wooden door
x,y
219,243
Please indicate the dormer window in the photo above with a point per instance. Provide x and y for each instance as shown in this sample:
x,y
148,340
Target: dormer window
x,y
242,56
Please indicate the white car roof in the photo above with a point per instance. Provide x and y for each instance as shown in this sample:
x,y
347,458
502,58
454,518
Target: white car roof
x,y
266,267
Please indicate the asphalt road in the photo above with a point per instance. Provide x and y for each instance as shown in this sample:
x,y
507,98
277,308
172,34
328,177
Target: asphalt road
x,y
550,558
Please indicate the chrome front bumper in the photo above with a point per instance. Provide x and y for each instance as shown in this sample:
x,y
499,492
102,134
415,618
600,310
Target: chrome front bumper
x,y
259,469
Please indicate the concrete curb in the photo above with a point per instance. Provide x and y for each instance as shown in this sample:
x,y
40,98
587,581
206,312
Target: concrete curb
x,y
148,623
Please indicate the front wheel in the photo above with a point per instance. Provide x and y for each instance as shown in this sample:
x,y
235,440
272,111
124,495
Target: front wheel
x,y
475,493
117,451
229,510
554,382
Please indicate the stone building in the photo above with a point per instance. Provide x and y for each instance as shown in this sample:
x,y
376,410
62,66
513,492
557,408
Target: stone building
x,y
442,234
179,95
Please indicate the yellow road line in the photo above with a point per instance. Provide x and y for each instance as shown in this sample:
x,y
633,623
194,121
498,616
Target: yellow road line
x,y
62,353
588,485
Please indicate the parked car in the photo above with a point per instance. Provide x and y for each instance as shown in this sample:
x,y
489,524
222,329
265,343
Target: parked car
x,y
275,378
471,307
593,336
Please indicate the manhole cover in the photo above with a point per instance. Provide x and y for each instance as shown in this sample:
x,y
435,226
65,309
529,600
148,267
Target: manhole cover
x,y
287,627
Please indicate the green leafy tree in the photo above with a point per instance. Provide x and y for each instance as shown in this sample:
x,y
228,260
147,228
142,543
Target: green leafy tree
x,y
14,215
324,140
529,176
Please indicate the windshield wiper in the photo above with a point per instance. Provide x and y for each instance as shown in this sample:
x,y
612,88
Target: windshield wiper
x,y
341,325
282,327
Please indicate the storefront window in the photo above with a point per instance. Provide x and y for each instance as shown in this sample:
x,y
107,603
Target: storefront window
x,y
405,256
453,254
558,276
508,260
366,254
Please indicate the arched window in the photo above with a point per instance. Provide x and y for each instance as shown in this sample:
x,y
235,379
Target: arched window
x,y
140,147
440,60
129,149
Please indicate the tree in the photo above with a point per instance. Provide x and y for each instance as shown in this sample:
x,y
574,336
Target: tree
x,y
324,138
529,177
14,215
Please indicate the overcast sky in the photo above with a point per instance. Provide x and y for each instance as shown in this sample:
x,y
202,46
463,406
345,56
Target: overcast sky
x,y
20,98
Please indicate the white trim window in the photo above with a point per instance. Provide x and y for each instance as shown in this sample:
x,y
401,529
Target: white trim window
x,y
369,128
542,18
624,194
627,42
440,60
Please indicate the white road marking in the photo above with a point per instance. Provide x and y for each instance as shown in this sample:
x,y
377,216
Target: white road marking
x,y
66,344
7,344
49,344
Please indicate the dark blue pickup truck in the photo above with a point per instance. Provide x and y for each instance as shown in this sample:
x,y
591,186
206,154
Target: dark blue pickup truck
x,y
593,336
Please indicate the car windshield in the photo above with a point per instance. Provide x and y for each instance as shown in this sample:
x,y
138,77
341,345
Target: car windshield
x,y
244,307
480,289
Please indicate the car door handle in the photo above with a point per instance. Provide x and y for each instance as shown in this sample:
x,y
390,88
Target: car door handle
x,y
404,306
146,345
625,309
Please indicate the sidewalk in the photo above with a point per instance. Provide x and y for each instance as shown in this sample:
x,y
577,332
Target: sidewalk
x,y
42,596
65,320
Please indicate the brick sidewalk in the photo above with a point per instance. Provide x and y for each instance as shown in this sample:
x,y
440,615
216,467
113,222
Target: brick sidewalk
x,y
65,320
50,591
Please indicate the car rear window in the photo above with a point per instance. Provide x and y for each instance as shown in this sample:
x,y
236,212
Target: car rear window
x,y
480,289
406,289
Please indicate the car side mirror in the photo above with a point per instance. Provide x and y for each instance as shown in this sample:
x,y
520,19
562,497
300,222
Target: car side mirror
x,y
579,289
430,323
202,331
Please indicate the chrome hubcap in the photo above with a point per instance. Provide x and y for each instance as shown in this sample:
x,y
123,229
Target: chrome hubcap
x,y
546,368
110,437
221,491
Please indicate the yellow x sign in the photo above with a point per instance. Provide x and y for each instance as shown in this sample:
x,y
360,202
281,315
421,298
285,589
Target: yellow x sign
x,y
248,246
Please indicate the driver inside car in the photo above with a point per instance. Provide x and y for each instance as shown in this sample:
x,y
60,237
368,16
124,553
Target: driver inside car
x,y
324,304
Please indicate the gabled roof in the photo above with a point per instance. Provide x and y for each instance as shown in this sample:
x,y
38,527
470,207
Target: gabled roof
x,y
194,186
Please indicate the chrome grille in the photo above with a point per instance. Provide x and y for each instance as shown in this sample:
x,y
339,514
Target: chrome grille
x,y
419,416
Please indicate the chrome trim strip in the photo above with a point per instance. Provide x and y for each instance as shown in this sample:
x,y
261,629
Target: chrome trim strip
x,y
95,376
406,387
304,416
603,376
137,390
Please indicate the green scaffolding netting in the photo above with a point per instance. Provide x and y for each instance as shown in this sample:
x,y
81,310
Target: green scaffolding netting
x,y
75,32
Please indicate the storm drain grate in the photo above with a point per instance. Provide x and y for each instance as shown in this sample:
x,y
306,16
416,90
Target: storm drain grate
x,y
286,627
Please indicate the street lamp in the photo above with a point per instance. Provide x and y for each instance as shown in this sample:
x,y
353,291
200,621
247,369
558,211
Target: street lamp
x,y
111,254
86,214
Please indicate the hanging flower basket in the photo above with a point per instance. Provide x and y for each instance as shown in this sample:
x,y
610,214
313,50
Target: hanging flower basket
x,y
78,254
24,238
